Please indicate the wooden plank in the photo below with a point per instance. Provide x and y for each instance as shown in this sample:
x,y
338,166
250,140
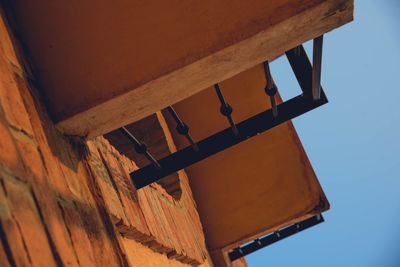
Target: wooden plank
x,y
109,71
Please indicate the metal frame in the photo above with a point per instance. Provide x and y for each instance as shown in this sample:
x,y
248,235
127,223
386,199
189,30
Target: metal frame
x,y
274,237
309,84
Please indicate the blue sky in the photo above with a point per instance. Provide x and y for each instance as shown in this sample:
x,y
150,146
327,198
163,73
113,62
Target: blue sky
x,y
353,144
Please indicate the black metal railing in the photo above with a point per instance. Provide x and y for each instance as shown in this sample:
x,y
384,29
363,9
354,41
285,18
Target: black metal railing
x,y
312,97
274,237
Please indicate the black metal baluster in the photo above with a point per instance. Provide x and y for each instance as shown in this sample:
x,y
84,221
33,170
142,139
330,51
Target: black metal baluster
x,y
317,62
182,128
274,237
226,109
140,147
270,89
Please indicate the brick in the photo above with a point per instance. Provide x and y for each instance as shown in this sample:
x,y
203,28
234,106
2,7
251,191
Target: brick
x,y
173,226
105,185
6,44
79,237
148,215
194,251
11,100
3,257
61,163
48,141
25,213
168,222
103,247
31,158
162,236
74,171
182,235
36,175
115,180
47,174
127,194
9,155
55,224
12,232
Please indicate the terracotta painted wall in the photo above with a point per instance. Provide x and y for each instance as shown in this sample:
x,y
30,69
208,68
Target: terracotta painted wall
x,y
68,203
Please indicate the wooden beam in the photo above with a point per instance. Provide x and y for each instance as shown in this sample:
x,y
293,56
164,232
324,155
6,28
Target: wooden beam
x,y
100,74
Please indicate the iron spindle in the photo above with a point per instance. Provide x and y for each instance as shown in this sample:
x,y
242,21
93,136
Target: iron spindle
x,y
182,128
226,109
317,62
140,147
270,89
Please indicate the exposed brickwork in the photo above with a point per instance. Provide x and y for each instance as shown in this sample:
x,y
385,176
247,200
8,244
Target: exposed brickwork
x,y
150,216
153,131
64,203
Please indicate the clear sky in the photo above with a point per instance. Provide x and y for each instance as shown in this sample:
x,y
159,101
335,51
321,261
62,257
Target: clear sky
x,y
353,144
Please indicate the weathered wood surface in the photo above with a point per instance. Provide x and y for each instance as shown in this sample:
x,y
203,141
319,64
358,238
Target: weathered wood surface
x,y
133,58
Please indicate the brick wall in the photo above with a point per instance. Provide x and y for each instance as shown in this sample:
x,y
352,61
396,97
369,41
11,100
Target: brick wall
x,y
67,202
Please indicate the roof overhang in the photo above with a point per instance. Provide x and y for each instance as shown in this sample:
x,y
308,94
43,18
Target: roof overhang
x,y
102,64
